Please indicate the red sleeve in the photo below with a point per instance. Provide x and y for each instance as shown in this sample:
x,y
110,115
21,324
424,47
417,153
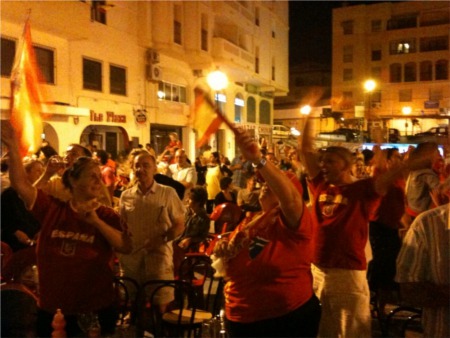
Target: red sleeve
x,y
112,218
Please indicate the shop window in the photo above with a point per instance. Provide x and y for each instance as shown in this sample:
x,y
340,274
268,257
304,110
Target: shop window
x,y
92,75
46,61
7,51
410,72
264,112
426,71
117,80
442,70
251,109
395,73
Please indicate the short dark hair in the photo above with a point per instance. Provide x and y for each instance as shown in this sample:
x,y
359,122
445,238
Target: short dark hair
x,y
86,151
225,182
103,156
199,195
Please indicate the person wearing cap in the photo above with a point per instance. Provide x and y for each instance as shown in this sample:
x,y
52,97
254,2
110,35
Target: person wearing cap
x,y
266,262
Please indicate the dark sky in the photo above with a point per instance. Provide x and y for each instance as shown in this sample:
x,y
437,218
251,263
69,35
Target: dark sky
x,y
310,29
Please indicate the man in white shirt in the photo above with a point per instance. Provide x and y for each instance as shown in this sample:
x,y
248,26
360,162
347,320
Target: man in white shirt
x,y
183,172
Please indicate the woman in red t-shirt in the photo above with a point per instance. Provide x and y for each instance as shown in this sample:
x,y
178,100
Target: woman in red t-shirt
x,y
267,261
75,246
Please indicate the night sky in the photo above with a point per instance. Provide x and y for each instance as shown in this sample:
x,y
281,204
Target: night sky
x,y
310,29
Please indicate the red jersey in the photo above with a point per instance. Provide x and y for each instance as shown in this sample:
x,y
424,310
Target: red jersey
x,y
73,258
271,275
342,215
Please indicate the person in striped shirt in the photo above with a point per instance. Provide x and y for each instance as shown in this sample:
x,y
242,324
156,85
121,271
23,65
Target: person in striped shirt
x,y
423,267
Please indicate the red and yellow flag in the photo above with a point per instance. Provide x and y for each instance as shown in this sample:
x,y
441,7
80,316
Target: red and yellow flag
x,y
26,96
206,119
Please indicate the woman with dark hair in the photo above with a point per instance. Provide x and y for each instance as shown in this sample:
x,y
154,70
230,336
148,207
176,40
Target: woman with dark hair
x,y
226,194
45,152
75,246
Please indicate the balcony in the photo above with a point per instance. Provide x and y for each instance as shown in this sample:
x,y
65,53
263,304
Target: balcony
x,y
68,19
228,52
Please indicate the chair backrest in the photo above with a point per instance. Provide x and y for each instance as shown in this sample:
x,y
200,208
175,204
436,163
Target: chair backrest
x,y
229,213
196,269
126,294
19,311
5,254
149,313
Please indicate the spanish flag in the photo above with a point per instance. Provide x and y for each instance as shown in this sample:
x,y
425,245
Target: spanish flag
x,y
26,96
206,118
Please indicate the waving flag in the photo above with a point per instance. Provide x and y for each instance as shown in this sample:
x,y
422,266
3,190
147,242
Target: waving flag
x,y
26,97
206,119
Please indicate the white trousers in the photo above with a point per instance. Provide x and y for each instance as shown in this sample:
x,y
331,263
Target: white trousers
x,y
345,298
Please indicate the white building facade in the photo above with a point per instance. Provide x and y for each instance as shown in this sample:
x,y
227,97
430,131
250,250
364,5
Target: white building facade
x,y
122,73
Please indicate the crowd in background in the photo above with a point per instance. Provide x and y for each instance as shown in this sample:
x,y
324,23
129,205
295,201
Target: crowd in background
x,y
331,179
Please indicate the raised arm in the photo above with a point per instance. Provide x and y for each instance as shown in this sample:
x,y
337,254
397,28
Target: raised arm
x,y
17,176
307,154
289,197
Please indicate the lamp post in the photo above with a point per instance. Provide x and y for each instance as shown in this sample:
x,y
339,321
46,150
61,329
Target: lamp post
x,y
369,86
305,111
406,111
218,81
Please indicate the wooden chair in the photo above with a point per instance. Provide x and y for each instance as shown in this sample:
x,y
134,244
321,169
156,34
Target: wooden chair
x,y
182,317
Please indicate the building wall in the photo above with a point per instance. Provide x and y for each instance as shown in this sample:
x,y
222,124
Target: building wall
x,y
131,29
364,41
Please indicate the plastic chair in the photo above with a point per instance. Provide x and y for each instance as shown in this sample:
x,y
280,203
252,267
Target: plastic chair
x,y
228,213
19,311
182,316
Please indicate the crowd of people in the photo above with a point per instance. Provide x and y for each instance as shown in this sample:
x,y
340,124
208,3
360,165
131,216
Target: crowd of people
x,y
318,230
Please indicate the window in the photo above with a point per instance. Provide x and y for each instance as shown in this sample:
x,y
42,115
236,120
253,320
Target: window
x,y
402,21
347,27
251,109
441,70
257,60
426,71
264,112
376,55
8,50
405,95
46,62
410,72
98,11
347,54
204,33
238,107
117,80
376,26
395,72
177,29
92,75
257,16
375,96
348,74
171,92
404,46
434,43
435,18
273,69
435,94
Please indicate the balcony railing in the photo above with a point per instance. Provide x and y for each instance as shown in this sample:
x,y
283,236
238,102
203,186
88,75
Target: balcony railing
x,y
228,51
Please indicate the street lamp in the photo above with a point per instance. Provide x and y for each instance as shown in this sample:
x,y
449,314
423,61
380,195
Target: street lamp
x,y
305,110
406,111
369,86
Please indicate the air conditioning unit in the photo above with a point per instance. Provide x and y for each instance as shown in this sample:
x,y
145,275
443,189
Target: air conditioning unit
x,y
152,56
153,72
